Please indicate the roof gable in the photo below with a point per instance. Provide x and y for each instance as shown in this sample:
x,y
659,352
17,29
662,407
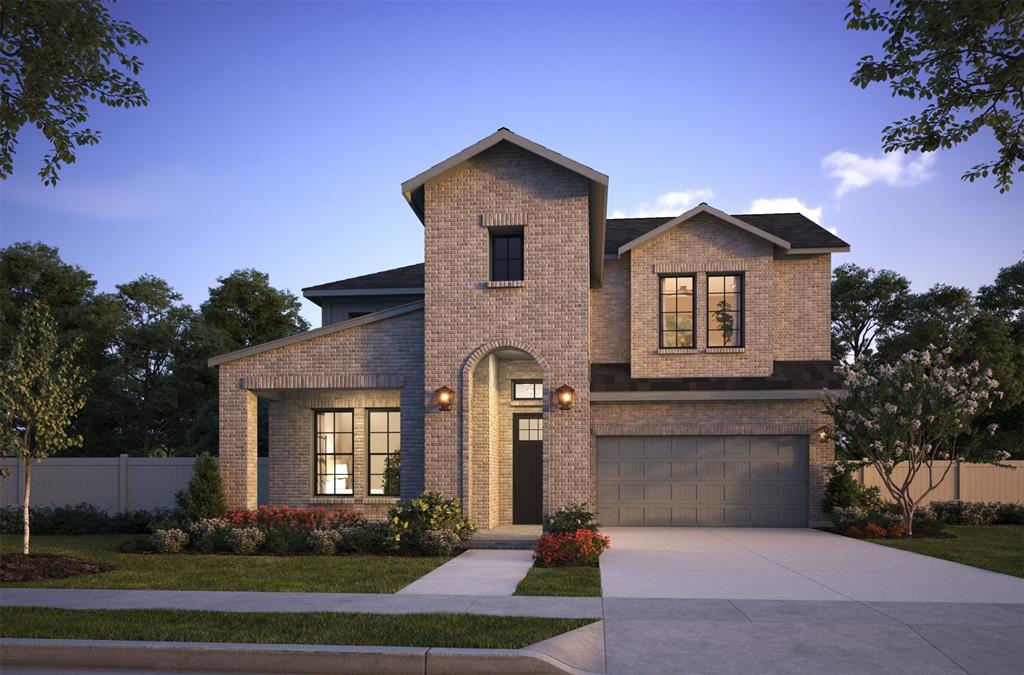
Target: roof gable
x,y
702,208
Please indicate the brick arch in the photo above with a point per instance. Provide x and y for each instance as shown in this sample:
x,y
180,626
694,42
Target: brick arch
x,y
466,431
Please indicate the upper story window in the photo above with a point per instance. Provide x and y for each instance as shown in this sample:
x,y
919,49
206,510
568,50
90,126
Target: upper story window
x,y
507,256
725,310
677,312
333,434
527,390
385,444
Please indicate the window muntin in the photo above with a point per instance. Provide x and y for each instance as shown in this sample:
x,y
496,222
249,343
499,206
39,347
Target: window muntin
x,y
678,312
333,442
726,325
507,256
531,428
384,444
527,390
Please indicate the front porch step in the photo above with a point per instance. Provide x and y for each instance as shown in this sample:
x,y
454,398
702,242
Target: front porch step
x,y
506,537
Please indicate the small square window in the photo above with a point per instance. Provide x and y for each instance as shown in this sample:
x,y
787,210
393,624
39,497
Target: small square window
x,y
527,390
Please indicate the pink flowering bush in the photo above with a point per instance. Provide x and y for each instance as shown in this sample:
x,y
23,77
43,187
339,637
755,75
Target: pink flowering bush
x,y
579,548
911,414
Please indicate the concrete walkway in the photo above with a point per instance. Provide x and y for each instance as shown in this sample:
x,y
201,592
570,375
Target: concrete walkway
x,y
771,564
475,572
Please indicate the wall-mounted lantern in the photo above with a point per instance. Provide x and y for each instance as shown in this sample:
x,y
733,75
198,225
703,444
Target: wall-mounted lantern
x,y
444,398
565,395
822,433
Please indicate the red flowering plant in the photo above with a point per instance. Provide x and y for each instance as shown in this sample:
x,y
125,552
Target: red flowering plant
x,y
269,517
581,548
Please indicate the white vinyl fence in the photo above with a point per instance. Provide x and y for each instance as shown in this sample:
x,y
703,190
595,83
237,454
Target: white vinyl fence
x,y
966,482
111,484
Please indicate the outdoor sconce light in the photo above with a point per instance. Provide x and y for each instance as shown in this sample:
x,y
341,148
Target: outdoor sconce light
x,y
444,397
565,395
822,434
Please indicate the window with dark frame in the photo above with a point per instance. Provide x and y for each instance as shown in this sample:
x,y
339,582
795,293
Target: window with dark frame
x,y
507,256
527,390
678,312
333,448
384,444
726,310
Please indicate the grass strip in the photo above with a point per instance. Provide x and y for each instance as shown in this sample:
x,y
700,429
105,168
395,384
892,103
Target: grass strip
x,y
193,572
999,548
325,628
561,581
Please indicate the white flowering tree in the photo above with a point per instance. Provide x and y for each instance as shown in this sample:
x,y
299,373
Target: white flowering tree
x,y
914,414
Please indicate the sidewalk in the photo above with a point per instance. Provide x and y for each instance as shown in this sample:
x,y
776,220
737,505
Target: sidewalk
x,y
475,572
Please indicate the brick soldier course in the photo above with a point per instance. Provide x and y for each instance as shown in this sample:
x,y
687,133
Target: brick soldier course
x,y
589,295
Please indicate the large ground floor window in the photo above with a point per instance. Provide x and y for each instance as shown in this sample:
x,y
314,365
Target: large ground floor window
x,y
385,443
333,434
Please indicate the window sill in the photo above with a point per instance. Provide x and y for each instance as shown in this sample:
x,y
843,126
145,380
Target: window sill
x,y
527,403
506,284
677,350
725,350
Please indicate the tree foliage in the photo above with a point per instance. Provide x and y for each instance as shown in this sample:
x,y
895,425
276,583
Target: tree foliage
x,y
204,497
966,59
913,414
40,394
247,310
867,304
55,57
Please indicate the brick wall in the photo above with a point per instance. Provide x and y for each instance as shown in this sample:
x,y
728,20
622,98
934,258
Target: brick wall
x,y
547,316
384,354
710,418
802,308
609,314
701,245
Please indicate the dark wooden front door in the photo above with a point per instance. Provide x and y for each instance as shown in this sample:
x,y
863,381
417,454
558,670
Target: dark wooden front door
x,y
527,468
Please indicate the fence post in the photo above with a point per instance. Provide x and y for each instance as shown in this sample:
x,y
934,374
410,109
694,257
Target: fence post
x,y
122,482
956,480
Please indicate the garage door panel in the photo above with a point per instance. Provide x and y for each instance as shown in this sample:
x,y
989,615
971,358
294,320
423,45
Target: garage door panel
x,y
751,481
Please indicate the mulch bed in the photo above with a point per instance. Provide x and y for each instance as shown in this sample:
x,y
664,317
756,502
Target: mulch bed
x,y
39,566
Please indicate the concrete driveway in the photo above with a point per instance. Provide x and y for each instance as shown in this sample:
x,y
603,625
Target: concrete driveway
x,y
784,564
725,600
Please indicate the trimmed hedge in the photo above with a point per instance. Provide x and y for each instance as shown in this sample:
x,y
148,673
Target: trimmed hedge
x,y
82,519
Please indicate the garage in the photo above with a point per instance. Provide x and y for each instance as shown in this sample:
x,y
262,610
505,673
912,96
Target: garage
x,y
739,481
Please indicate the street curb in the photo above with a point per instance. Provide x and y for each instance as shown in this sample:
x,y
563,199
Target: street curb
x,y
271,658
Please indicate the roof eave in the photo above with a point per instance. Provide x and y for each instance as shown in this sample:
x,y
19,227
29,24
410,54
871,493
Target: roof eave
x,y
703,208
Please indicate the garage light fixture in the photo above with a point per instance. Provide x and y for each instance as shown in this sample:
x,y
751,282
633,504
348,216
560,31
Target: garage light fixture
x,y
444,397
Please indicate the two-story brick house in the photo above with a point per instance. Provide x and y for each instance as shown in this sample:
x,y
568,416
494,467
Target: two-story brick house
x,y
668,371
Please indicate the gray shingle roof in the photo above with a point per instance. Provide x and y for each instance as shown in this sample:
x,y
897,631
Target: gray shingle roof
x,y
798,230
786,375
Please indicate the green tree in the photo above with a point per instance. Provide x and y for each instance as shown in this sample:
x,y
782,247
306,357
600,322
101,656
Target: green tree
x,y
966,58
911,414
204,497
1005,296
54,58
867,304
40,394
940,316
247,310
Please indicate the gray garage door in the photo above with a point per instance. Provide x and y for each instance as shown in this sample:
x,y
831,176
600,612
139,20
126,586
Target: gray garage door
x,y
744,481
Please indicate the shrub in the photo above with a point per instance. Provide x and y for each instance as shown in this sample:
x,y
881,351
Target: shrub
x,y
245,540
845,517
1009,514
872,530
210,535
580,548
843,491
82,518
430,512
204,497
854,532
139,544
268,517
324,542
570,518
926,526
285,540
170,541
368,538
896,531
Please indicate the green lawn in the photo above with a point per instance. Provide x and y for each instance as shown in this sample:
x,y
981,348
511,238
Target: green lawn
x,y
578,581
999,548
326,574
324,628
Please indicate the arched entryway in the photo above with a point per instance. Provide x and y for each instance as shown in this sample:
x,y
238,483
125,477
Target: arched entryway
x,y
503,454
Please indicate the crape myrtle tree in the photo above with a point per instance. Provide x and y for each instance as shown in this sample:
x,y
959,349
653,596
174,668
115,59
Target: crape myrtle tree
x,y
40,394
913,413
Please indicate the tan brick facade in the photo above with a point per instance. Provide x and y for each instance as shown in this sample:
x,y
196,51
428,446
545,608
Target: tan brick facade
x,y
802,308
546,316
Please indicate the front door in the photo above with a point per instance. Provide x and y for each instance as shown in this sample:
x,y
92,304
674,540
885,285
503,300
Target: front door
x,y
527,468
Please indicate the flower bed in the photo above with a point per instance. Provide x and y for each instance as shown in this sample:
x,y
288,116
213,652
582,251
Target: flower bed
x,y
579,548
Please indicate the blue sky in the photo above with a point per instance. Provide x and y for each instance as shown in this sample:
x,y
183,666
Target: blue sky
x,y
278,133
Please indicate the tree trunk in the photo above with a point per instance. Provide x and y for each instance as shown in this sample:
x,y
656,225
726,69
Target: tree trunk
x,y
25,502
908,518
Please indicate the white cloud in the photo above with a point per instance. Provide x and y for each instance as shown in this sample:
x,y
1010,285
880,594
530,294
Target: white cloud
x,y
895,169
668,204
785,205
